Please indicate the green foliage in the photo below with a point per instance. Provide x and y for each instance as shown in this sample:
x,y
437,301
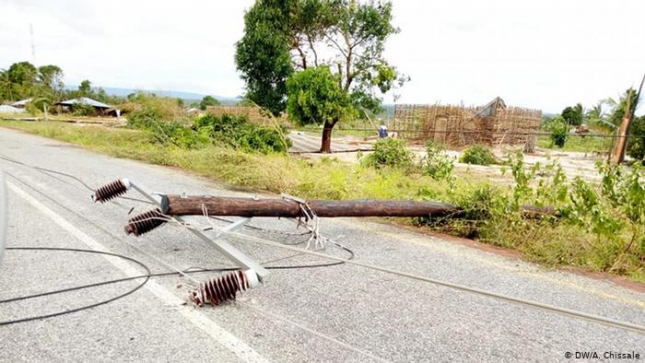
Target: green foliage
x,y
144,118
586,234
316,98
573,115
559,130
283,37
390,152
85,89
82,109
150,107
208,101
437,164
628,98
636,141
262,55
232,131
237,132
478,155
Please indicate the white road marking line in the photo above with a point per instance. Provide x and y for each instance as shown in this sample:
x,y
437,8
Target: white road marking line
x,y
226,339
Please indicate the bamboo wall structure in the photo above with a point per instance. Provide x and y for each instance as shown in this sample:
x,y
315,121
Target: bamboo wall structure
x,y
459,125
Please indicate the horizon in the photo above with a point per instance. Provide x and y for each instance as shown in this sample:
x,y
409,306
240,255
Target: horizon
x,y
534,55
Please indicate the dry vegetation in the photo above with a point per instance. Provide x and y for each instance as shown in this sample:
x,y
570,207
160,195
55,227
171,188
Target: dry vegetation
x,y
597,232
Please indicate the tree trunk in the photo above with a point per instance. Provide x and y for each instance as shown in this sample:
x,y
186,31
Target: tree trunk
x,y
325,146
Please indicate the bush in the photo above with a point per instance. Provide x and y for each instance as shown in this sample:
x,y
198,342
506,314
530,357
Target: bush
x,y
390,152
437,164
163,108
144,119
559,131
82,109
636,145
478,155
237,132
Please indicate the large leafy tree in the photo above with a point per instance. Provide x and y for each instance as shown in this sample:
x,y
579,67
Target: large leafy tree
x,y
208,101
347,37
315,96
620,107
573,115
262,54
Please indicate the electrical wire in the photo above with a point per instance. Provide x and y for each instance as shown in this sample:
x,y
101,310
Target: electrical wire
x,y
85,307
146,276
534,304
573,313
50,171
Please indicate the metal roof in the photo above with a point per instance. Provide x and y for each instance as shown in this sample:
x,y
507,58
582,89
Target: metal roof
x,y
21,103
11,109
85,101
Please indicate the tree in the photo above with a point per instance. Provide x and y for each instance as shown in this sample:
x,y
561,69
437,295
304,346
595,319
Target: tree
x,y
315,96
636,143
573,115
23,73
22,77
620,107
208,101
262,55
5,85
559,130
85,89
347,36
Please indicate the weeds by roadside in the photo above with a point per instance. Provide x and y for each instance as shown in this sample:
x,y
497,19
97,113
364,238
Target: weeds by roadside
x,y
599,228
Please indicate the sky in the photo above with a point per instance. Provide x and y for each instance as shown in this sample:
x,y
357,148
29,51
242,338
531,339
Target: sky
x,y
543,54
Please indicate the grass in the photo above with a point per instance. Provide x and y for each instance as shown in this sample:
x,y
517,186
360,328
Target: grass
x,y
541,241
588,143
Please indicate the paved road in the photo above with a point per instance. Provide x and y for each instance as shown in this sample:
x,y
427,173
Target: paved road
x,y
307,143
335,314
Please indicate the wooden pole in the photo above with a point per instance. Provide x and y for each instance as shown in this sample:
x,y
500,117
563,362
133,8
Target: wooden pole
x,y
623,131
246,207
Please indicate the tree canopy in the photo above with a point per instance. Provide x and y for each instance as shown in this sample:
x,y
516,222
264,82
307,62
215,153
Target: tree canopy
x,y
208,101
573,115
345,37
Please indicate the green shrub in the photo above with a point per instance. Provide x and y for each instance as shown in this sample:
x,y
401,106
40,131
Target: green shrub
x,y
237,132
559,130
82,109
437,164
478,155
144,118
636,141
390,152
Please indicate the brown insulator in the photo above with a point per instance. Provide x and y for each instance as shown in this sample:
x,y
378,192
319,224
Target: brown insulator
x,y
110,191
145,222
219,289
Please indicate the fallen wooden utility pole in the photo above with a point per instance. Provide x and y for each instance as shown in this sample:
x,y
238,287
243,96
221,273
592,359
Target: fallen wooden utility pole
x,y
623,131
176,205
292,208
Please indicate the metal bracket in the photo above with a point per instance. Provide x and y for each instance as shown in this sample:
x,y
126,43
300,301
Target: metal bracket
x,y
220,244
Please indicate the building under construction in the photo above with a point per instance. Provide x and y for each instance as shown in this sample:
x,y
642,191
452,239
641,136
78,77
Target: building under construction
x,y
492,124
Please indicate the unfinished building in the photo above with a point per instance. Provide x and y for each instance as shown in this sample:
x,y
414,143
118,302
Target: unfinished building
x,y
492,124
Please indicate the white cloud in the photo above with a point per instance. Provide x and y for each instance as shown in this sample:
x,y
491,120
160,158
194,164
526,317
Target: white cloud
x,y
545,54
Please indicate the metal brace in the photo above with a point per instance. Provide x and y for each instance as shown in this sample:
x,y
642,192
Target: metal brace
x,y
219,243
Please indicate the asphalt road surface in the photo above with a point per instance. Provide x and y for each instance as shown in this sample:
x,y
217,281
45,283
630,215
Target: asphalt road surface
x,y
343,313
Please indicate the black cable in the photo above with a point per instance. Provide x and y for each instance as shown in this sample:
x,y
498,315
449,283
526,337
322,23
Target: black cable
x,y
48,171
146,276
85,307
